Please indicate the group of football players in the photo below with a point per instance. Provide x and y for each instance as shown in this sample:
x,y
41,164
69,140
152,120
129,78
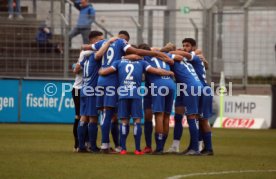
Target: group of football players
x,y
108,86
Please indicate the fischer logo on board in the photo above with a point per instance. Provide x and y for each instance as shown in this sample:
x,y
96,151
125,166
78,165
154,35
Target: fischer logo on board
x,y
238,123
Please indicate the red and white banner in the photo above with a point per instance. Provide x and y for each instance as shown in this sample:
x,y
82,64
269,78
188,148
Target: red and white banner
x,y
248,123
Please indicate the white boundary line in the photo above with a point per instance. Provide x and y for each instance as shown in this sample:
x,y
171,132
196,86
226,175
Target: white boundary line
x,y
219,173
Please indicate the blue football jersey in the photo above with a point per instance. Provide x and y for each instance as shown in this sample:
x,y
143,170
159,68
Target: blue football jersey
x,y
185,73
130,76
157,79
115,52
199,68
90,72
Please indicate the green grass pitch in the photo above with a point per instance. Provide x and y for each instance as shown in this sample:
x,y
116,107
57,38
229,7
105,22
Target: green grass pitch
x,y
45,151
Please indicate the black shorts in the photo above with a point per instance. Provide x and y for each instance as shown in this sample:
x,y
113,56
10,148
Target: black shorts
x,y
76,98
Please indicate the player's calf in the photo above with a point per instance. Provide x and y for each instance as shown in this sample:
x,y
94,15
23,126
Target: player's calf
x,y
81,132
148,127
205,128
124,131
93,133
137,136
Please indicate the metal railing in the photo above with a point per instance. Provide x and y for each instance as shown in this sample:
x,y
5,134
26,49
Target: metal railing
x,y
238,41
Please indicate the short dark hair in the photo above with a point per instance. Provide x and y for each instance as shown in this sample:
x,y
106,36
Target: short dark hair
x,y
144,46
124,32
189,40
94,34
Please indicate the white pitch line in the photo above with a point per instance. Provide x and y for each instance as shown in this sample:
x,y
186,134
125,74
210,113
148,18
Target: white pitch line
x,y
219,173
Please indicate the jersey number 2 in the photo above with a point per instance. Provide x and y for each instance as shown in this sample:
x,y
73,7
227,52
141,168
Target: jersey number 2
x,y
129,70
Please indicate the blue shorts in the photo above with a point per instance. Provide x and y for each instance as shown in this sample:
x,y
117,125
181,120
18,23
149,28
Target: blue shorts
x,y
147,102
163,103
107,99
191,103
88,106
130,108
179,100
206,103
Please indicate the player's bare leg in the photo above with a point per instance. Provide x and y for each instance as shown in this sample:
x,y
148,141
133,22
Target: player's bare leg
x,y
76,98
75,132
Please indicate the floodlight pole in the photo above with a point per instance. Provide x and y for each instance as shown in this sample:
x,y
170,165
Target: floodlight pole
x,y
245,42
275,52
220,33
245,48
141,22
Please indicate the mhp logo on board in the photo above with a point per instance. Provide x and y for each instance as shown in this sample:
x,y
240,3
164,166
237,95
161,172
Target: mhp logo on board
x,y
44,102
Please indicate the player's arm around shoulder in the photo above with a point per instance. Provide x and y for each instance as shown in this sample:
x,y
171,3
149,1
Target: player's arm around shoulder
x,y
86,47
164,57
133,57
203,59
183,54
106,71
199,53
84,54
104,48
177,58
156,54
159,71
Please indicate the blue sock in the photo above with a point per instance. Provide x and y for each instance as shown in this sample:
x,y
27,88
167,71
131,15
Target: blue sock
x,y
178,128
207,138
190,144
200,137
86,135
115,133
93,132
164,140
124,130
106,123
148,132
193,134
137,135
81,134
159,141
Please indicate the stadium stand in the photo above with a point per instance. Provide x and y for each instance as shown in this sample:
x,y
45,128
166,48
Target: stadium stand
x,y
19,52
